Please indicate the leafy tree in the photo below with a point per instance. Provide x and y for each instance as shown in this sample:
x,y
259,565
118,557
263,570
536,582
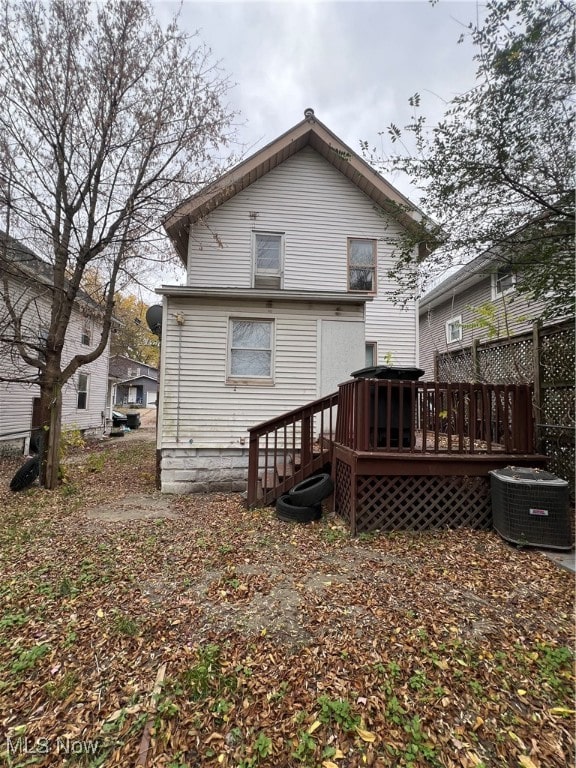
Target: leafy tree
x,y
131,337
106,120
497,174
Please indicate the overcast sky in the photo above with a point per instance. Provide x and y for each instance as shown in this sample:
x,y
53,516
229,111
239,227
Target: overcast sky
x,y
355,63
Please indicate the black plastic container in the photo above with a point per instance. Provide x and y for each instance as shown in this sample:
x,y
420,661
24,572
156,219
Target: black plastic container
x,y
379,405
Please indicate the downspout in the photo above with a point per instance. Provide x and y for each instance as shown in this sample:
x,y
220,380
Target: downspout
x,y
180,320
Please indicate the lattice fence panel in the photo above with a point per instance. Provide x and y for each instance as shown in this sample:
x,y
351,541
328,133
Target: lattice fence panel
x,y
507,363
559,446
557,355
343,490
422,503
456,366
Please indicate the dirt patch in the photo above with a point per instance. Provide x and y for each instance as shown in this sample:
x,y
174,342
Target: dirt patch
x,y
135,506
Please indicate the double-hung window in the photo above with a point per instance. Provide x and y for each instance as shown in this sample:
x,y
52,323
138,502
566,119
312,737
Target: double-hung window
x,y
82,385
85,336
361,265
454,329
503,281
268,259
251,347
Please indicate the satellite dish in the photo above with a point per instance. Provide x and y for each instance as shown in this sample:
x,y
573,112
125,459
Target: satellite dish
x,y
154,319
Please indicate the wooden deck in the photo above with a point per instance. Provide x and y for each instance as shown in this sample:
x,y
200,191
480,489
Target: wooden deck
x,y
403,455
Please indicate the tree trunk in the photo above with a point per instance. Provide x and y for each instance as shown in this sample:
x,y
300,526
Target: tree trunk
x,y
51,420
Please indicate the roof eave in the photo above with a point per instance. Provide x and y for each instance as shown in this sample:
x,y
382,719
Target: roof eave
x,y
248,294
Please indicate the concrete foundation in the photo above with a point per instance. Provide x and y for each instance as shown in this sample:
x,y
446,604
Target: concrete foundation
x,y
204,470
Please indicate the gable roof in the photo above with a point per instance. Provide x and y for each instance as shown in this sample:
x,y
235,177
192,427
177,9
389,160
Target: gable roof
x,y
309,132
21,262
119,356
139,378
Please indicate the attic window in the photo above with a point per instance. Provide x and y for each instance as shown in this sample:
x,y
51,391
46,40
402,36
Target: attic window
x,y
85,338
362,265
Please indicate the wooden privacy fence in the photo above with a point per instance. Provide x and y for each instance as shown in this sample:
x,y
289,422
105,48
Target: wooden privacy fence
x,y
423,417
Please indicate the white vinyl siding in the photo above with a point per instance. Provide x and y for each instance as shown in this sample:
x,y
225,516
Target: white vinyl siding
x,y
200,407
318,210
16,410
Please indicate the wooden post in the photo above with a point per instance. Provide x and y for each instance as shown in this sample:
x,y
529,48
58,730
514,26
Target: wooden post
x,y
537,376
475,361
253,459
306,442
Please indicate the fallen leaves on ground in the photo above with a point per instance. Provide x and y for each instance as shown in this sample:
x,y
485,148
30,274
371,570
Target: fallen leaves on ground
x,y
284,645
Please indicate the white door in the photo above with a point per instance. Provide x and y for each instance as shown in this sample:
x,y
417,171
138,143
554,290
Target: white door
x,y
342,350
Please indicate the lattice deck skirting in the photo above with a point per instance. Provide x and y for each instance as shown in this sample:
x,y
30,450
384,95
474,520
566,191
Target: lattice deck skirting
x,y
421,498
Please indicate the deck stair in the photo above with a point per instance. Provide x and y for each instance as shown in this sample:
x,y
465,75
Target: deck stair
x,y
289,448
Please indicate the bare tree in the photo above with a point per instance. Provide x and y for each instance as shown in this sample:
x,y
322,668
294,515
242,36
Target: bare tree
x,y
106,120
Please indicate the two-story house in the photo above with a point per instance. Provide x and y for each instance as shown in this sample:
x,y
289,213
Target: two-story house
x,y
287,260
27,278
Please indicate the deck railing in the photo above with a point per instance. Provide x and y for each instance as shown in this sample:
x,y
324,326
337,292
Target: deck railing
x,y
377,415
430,417
287,449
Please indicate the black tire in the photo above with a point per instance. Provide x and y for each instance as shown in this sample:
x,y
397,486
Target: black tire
x,y
312,491
290,512
26,475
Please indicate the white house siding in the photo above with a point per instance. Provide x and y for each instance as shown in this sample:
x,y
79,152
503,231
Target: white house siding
x,y
15,415
514,314
317,209
205,421
91,418
16,399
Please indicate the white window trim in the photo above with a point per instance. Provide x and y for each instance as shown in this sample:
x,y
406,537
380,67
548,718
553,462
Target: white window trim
x,y
450,323
80,391
250,380
280,272
496,294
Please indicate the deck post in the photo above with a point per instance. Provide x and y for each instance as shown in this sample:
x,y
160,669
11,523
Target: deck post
x,y
305,441
253,461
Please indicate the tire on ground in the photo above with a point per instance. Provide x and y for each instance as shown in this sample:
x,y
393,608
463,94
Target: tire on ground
x,y
289,511
312,491
26,475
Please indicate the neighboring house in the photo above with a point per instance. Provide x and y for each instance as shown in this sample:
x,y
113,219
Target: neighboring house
x,y
133,382
287,259
477,303
84,395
